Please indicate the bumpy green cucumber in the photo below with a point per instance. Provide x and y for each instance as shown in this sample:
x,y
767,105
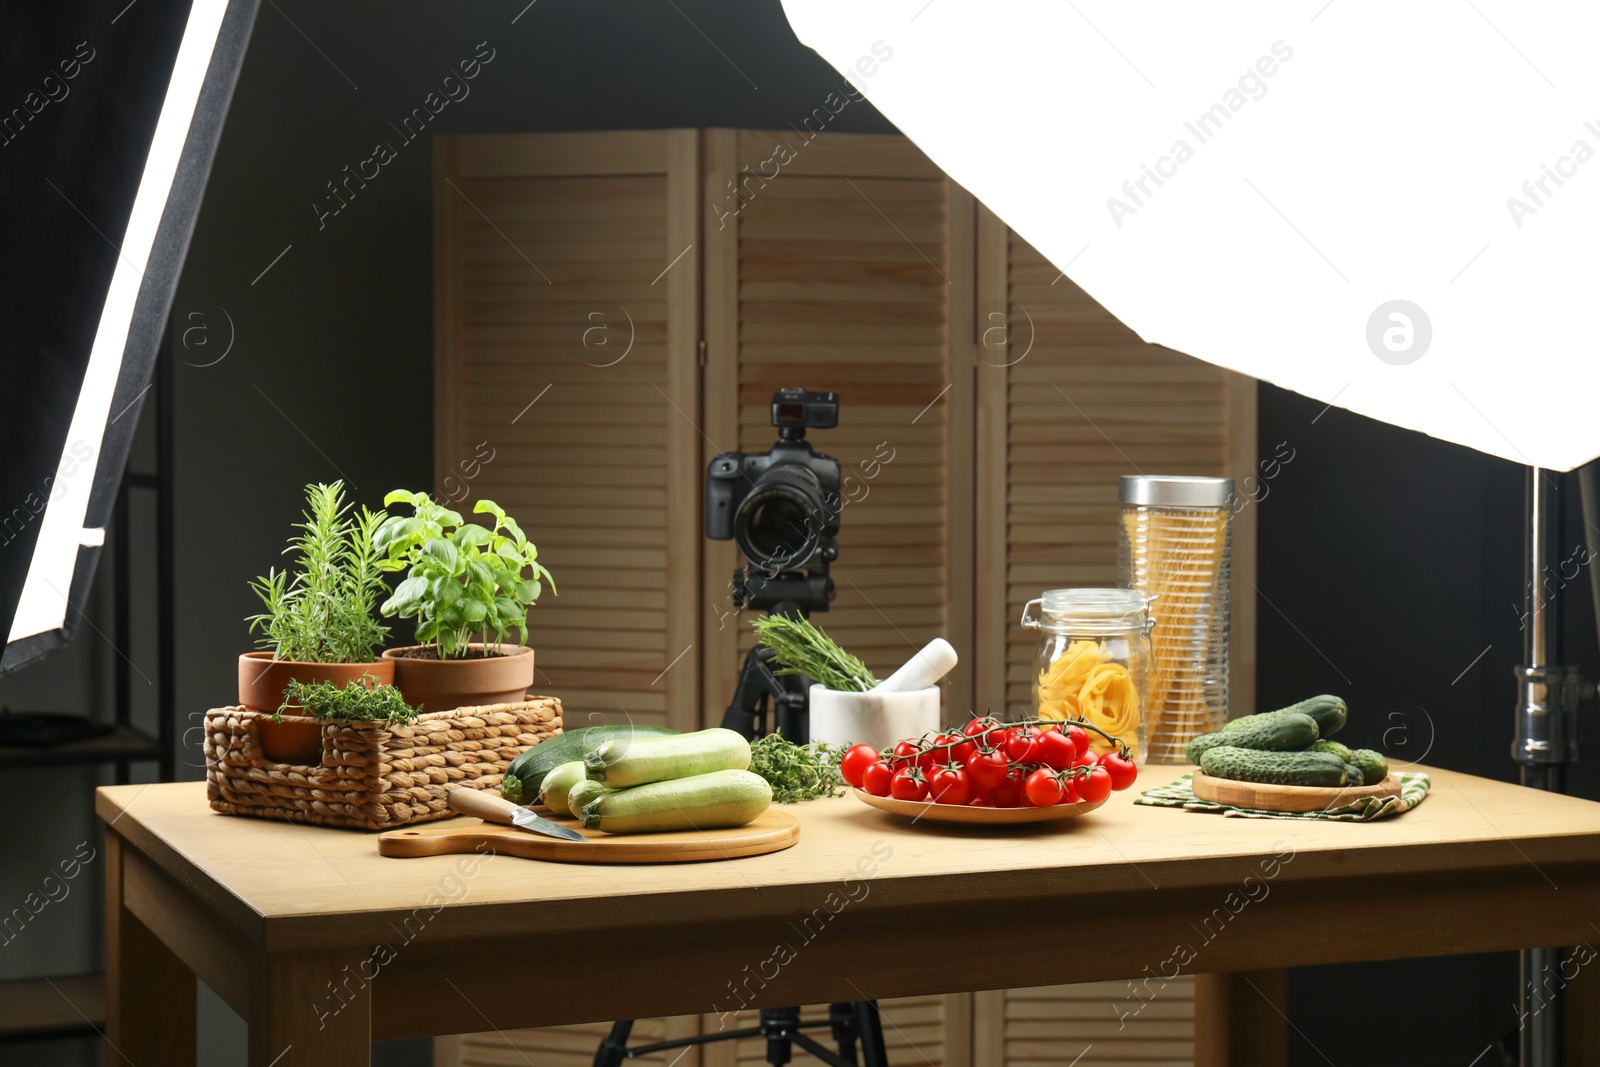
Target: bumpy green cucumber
x,y
1274,733
1274,768
1374,767
1331,746
1329,712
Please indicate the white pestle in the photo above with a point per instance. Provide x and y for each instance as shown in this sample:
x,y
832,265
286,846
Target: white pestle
x,y
921,670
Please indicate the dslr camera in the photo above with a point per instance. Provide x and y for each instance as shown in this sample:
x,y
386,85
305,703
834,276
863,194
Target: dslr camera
x,y
781,507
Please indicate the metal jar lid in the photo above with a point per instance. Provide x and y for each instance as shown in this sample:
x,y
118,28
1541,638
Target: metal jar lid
x,y
1176,491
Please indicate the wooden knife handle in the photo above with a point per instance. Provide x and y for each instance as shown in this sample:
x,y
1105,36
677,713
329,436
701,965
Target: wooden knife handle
x,y
482,804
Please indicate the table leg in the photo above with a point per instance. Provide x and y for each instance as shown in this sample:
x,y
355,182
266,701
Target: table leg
x,y
150,993
305,1011
1240,1019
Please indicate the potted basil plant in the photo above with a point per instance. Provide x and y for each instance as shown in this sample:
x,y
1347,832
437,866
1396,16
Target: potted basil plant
x,y
319,622
469,587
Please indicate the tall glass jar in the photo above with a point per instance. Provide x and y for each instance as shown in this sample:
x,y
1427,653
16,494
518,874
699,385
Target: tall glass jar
x,y
1093,661
1175,544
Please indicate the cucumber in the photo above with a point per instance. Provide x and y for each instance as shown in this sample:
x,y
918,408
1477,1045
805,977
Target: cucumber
x,y
1374,767
582,793
699,802
558,783
1331,746
1274,768
629,762
1329,712
527,771
1277,732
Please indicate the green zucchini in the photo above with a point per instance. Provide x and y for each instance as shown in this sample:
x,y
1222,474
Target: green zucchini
x,y
1329,712
640,761
1374,767
1274,768
1331,746
582,793
527,771
1272,733
699,802
558,783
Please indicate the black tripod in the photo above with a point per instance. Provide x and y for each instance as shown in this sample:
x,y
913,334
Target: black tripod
x,y
852,1025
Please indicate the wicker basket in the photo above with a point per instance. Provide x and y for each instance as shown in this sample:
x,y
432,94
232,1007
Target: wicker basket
x,y
372,777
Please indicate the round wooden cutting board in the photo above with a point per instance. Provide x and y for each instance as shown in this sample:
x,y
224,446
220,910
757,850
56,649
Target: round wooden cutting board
x,y
773,831
1293,798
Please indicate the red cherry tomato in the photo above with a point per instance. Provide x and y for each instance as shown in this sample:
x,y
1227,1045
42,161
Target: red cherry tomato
x,y
986,768
908,753
1043,789
960,749
876,778
854,765
981,726
1069,791
1054,749
1121,769
1095,786
1008,793
909,785
1080,739
1021,744
1088,759
950,786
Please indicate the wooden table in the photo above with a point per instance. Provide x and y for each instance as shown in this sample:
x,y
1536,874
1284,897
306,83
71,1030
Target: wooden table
x,y
323,946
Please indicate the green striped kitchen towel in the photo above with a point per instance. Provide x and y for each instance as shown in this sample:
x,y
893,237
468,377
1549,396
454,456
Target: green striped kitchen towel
x,y
1414,786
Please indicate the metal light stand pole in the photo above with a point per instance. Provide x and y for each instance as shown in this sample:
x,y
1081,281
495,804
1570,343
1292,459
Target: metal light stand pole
x,y
1546,741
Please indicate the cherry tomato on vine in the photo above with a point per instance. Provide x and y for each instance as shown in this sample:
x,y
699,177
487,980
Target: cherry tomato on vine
x,y
854,765
1088,759
908,753
1069,791
1120,768
986,768
1043,788
1021,744
1095,786
978,727
1008,793
876,778
1080,739
960,750
950,786
909,785
1054,749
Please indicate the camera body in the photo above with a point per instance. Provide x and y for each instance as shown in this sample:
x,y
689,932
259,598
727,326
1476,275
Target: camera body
x,y
782,506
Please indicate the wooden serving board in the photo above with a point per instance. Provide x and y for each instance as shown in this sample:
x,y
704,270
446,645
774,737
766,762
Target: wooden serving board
x,y
773,831
1293,798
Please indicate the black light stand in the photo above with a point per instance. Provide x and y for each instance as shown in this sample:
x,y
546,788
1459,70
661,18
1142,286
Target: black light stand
x,y
852,1025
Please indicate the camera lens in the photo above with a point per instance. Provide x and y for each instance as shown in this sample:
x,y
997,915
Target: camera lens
x,y
779,522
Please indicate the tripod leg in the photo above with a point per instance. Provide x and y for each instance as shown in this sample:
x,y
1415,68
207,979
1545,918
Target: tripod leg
x,y
869,1027
614,1047
843,1019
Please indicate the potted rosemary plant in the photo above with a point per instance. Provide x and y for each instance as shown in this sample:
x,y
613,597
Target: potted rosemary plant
x,y
319,620
469,587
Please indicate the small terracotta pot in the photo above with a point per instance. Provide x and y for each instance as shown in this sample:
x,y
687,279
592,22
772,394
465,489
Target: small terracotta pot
x,y
297,739
445,684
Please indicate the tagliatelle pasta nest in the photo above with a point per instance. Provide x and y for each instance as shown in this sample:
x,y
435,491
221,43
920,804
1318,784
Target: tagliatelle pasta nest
x,y
1085,681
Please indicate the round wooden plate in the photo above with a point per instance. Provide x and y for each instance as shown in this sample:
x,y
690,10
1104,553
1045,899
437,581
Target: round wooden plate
x,y
773,831
1292,798
974,813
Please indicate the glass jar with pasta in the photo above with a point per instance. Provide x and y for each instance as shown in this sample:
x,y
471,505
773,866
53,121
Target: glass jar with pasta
x,y
1093,661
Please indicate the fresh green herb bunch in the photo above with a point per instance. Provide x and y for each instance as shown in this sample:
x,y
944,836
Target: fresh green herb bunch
x,y
799,646
797,772
363,699
462,580
324,611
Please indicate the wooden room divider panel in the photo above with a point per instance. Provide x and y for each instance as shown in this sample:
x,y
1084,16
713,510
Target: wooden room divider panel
x,y
615,308
565,351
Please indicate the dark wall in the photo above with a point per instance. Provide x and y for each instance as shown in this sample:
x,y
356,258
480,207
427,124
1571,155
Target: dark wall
x,y
1391,573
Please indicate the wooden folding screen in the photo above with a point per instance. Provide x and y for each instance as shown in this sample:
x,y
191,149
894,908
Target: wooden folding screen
x,y
614,309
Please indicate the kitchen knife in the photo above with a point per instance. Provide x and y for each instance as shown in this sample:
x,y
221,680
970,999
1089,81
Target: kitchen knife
x,y
491,808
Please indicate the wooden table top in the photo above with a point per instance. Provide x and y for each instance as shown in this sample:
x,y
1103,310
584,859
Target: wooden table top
x,y
286,886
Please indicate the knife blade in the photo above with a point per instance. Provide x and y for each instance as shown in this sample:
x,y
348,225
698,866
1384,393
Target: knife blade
x,y
491,808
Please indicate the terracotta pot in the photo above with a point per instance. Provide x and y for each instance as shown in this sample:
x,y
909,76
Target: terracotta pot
x,y
262,680
445,684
